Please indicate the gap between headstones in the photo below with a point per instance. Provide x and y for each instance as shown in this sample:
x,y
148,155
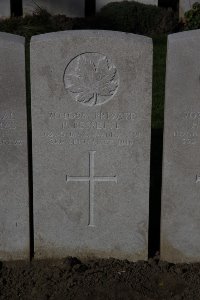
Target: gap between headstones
x,y
90,8
29,139
155,192
16,8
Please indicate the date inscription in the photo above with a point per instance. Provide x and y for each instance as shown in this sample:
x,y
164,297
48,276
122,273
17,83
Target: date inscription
x,y
8,129
188,130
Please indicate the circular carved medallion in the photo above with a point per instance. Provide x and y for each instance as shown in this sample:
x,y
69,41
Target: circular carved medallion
x,y
91,79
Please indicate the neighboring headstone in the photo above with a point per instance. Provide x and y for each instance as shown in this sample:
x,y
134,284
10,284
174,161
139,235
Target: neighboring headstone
x,y
185,5
4,9
14,200
180,238
91,110
101,3
70,8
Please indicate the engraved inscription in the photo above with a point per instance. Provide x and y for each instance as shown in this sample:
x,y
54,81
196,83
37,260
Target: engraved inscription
x,y
8,129
117,116
187,130
91,79
91,179
92,128
11,142
7,120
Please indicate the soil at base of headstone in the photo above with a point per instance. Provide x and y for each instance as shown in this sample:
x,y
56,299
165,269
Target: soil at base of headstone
x,y
99,280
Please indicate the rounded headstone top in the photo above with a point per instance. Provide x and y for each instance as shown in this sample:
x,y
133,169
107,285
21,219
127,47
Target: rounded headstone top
x,y
191,34
90,34
12,38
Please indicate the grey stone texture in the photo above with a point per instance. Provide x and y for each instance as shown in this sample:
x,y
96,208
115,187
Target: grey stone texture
x,y
91,108
180,238
101,3
14,200
4,9
70,8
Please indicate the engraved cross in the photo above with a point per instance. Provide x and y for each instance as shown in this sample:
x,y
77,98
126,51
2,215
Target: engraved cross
x,y
91,179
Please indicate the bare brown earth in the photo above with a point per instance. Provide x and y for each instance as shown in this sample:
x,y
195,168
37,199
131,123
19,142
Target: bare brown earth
x,y
99,280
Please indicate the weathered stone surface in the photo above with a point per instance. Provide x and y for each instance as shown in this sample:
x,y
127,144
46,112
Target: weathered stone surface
x,y
14,211
70,8
101,3
4,9
91,103
181,187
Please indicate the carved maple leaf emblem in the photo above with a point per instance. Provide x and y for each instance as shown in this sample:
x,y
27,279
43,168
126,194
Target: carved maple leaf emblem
x,y
94,80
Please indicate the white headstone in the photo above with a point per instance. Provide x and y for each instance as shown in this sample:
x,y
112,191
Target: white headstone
x,y
4,8
101,3
181,169
91,110
14,198
70,8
